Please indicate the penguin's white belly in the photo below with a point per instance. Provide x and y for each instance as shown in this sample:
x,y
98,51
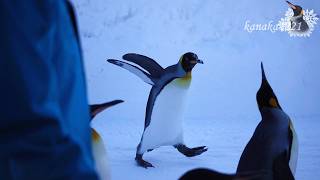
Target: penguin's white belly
x,y
166,126
100,156
294,150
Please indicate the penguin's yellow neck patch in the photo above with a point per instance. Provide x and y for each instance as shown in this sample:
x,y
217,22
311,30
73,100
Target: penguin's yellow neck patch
x,y
185,81
94,135
273,103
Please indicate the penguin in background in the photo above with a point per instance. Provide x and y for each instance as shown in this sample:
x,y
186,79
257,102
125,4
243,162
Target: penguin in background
x,y
274,145
166,103
98,146
298,24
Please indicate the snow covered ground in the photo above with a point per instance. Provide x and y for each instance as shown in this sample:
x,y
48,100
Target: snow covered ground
x,y
222,111
225,137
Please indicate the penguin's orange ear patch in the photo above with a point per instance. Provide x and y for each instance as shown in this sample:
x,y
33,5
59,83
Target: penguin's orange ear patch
x,y
94,135
273,103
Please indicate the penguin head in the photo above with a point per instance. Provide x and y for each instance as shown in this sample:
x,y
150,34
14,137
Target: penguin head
x,y
189,60
265,95
297,10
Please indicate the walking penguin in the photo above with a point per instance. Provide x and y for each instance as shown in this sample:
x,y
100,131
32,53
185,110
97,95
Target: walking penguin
x,y
166,102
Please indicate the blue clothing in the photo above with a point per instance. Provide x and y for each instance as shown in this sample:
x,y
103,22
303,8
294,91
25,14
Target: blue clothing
x,y
44,115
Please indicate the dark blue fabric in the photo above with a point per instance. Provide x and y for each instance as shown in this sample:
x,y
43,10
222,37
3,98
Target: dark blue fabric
x,y
44,117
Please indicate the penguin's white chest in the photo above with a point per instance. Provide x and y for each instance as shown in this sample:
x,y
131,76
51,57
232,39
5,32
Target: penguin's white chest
x,y
294,150
100,156
166,126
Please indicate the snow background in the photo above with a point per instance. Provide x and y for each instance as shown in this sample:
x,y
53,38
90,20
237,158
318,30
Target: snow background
x,y
222,111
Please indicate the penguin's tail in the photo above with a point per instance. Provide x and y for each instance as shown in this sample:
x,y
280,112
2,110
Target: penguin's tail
x,y
97,108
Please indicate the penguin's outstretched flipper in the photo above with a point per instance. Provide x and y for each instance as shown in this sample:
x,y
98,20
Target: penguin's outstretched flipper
x,y
97,108
146,63
208,174
190,152
135,70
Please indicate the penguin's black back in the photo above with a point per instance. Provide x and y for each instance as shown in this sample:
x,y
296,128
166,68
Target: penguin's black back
x,y
270,139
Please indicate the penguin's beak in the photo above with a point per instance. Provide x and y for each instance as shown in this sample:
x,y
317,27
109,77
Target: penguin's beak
x,y
291,5
199,61
97,108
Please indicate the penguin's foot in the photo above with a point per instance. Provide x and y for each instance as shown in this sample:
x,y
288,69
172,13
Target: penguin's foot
x,y
142,162
190,152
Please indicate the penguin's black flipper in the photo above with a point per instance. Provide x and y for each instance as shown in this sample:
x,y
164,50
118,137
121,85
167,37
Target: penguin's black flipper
x,y
190,152
281,168
97,108
199,148
135,70
146,63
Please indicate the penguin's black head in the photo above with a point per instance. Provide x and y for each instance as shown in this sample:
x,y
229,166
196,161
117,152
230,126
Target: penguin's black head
x,y
297,10
189,60
265,95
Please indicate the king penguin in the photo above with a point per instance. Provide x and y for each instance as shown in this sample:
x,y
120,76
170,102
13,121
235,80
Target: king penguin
x,y
273,146
98,146
166,103
298,24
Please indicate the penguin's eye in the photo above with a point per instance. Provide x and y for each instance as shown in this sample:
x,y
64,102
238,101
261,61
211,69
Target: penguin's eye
x,y
273,102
